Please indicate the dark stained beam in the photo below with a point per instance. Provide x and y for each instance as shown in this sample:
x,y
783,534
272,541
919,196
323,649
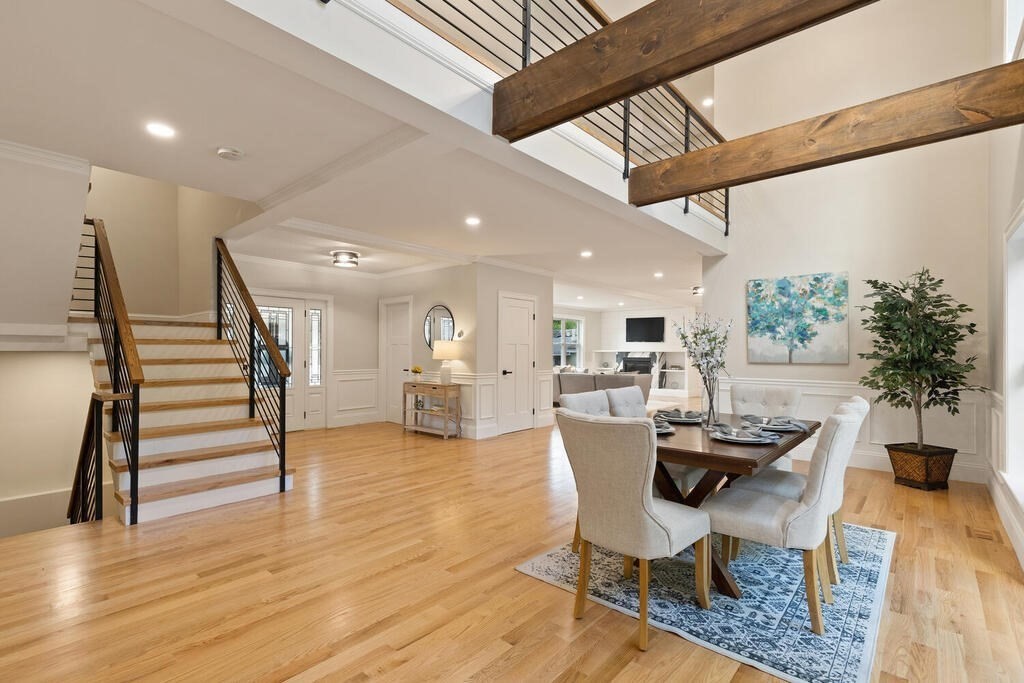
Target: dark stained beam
x,y
659,42
978,102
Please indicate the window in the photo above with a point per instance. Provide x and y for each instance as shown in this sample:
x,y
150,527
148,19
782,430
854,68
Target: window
x,y
279,323
565,337
315,334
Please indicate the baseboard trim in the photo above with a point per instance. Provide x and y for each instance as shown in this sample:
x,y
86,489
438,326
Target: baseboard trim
x,y
354,417
1010,512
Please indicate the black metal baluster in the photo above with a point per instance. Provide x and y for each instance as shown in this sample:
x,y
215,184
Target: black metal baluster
x,y
282,386
686,150
527,20
625,139
116,385
134,462
220,294
97,439
252,368
726,212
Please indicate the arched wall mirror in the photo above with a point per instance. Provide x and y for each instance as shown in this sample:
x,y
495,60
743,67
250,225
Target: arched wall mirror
x,y
438,324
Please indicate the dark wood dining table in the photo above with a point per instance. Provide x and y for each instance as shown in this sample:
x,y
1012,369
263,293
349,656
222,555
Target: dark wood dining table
x,y
724,462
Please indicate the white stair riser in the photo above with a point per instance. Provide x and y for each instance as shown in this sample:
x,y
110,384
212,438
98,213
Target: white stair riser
x,y
173,332
187,442
161,371
173,351
206,499
185,392
166,418
203,468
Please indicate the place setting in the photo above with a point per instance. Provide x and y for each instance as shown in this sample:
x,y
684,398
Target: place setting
x,y
748,433
680,417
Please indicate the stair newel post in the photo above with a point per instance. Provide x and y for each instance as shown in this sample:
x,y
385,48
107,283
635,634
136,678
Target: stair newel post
x,y
134,462
625,139
97,439
282,386
252,368
220,294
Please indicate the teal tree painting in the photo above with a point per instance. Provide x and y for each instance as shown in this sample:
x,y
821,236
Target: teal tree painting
x,y
799,319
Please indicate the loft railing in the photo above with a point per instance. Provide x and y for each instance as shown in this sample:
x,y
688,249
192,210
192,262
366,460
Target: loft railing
x,y
507,35
121,358
254,348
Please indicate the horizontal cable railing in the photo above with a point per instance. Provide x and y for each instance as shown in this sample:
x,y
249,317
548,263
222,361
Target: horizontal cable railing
x,y
82,289
255,350
122,359
508,35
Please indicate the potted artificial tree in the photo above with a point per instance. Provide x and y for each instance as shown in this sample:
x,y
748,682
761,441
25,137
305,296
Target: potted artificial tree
x,y
917,329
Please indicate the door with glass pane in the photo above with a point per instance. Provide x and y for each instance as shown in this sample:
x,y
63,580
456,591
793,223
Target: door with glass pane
x,y
316,338
284,318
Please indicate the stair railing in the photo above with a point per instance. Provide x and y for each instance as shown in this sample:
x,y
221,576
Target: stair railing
x,y
122,360
653,125
257,353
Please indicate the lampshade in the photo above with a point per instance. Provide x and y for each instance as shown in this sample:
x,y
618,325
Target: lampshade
x,y
446,350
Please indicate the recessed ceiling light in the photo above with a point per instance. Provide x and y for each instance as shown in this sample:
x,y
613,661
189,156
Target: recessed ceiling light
x,y
579,298
472,221
659,274
159,130
586,253
345,259
698,290
622,303
708,101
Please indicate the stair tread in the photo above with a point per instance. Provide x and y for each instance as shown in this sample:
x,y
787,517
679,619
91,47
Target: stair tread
x,y
194,455
185,487
191,428
148,321
186,403
176,361
185,381
170,341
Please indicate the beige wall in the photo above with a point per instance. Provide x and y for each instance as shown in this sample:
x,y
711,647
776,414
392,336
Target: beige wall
x,y
45,398
883,217
201,217
161,235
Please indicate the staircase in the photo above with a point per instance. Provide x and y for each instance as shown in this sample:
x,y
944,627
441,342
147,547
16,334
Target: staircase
x,y
205,435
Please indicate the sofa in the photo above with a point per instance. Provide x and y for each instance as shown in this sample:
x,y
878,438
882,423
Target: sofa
x,y
578,383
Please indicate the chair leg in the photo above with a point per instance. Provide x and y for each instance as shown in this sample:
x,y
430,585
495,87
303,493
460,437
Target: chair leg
x,y
627,566
837,520
826,587
576,537
702,557
726,549
584,580
645,578
830,556
735,548
811,584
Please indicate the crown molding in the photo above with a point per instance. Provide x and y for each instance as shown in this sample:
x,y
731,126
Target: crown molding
x,y
42,157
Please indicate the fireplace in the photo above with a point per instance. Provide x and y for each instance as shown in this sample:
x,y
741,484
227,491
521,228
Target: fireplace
x,y
639,364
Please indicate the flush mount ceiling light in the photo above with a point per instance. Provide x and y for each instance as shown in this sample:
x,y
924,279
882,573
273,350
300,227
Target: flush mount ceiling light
x,y
579,298
159,130
230,153
472,221
708,101
659,275
698,290
586,253
622,303
345,259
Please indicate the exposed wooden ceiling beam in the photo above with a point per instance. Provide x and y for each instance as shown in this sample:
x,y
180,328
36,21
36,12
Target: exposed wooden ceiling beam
x,y
659,42
975,103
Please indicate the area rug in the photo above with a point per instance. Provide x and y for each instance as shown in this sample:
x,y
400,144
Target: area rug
x,y
769,627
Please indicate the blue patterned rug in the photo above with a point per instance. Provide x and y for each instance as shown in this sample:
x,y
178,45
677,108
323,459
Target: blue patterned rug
x,y
769,627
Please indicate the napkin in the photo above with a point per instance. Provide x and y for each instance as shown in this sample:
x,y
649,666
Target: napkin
x,y
777,421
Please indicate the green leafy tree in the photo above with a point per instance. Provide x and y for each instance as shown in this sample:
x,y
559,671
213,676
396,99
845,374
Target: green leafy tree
x,y
917,329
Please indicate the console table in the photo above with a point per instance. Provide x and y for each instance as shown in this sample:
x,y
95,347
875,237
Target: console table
x,y
439,400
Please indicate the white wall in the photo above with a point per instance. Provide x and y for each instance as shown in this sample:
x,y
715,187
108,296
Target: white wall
x,y
884,217
45,398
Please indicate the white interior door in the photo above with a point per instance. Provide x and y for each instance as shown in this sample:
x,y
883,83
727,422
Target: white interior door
x,y
516,339
396,353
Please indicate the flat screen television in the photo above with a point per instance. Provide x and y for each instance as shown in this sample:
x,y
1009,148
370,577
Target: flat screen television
x,y
645,329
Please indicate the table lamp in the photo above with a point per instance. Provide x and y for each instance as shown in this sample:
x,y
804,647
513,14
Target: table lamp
x,y
446,351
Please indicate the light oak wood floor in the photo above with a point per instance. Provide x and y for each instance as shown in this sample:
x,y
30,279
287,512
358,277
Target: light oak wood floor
x,y
393,558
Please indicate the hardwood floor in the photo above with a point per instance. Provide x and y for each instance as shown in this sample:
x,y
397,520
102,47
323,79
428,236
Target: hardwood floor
x,y
393,558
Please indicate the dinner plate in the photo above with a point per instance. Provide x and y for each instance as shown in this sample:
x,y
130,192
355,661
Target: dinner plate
x,y
780,428
740,439
683,420
664,432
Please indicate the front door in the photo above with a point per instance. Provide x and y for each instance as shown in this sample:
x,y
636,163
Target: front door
x,y
516,338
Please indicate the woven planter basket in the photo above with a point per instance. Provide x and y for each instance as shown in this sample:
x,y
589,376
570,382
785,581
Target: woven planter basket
x,y
926,468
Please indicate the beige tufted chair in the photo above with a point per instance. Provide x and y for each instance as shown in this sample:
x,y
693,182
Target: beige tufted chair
x,y
766,401
613,460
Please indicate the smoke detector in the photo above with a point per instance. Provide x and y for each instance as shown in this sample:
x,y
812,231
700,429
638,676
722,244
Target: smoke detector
x,y
230,153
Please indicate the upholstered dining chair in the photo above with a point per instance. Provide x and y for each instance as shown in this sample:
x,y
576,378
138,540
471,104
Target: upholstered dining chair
x,y
798,524
629,402
613,460
587,402
791,485
766,401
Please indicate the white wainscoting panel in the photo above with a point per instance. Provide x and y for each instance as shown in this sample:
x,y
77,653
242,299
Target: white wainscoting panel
x,y
478,393
968,432
353,394
543,400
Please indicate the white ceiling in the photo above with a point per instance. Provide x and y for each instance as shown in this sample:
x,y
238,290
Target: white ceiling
x,y
88,83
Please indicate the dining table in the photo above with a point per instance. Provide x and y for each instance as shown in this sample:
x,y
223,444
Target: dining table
x,y
693,445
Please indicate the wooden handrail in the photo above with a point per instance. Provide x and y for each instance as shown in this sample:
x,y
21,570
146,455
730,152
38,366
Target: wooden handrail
x,y
254,313
599,15
124,326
